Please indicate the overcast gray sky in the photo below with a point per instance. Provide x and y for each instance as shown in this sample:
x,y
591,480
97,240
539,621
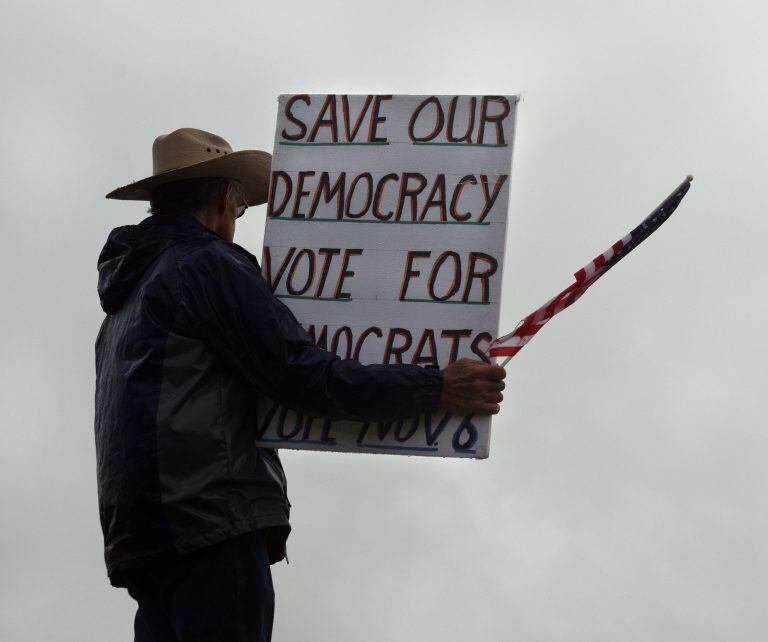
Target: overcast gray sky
x,y
624,497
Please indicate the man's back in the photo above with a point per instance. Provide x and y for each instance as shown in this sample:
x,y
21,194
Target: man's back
x,y
177,465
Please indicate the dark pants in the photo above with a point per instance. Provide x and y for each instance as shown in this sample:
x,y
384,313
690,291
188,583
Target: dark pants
x,y
218,593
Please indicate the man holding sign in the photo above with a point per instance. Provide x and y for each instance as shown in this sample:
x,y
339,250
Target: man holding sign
x,y
192,510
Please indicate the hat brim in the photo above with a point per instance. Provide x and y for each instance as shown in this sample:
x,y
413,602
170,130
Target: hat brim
x,y
249,166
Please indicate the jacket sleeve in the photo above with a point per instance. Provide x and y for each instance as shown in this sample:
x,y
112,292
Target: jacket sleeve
x,y
230,303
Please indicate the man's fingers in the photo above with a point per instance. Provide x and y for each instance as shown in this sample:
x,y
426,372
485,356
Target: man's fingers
x,y
488,408
489,388
492,372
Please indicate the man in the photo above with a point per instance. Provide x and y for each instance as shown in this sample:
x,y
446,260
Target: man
x,y
192,511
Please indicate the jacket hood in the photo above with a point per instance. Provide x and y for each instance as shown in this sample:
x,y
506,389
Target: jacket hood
x,y
131,249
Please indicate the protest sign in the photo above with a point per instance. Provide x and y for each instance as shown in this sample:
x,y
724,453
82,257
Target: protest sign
x,y
385,236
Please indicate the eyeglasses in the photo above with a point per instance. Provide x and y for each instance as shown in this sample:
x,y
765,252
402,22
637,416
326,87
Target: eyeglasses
x,y
241,208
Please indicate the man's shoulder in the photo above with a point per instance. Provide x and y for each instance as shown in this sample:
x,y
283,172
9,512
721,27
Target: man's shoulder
x,y
217,264
200,254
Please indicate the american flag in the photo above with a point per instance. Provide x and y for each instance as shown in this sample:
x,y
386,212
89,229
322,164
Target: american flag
x,y
509,345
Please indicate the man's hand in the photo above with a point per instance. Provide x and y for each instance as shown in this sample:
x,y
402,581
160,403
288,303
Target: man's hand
x,y
472,386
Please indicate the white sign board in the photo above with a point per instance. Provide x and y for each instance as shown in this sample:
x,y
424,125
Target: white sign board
x,y
385,236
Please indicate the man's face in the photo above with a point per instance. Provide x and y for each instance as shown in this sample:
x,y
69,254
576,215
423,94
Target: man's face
x,y
233,202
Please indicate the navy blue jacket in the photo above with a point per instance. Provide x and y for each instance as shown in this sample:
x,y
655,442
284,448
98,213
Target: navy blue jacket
x,y
191,333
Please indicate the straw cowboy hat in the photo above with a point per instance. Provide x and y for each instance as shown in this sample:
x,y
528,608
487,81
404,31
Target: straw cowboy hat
x,y
194,153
